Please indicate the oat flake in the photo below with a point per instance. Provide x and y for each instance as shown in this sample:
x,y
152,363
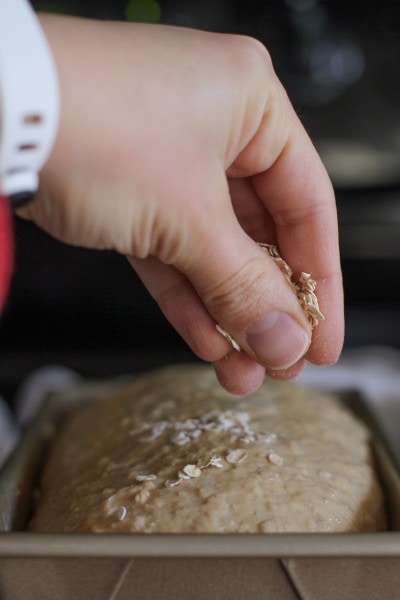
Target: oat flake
x,y
228,337
215,461
192,471
275,459
150,477
236,456
305,289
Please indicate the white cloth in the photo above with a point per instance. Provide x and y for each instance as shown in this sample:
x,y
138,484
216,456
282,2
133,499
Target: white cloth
x,y
27,402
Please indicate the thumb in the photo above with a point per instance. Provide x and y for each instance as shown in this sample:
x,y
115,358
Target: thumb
x,y
219,275
251,300
245,292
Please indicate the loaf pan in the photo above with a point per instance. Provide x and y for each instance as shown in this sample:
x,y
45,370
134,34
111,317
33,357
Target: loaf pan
x,y
183,566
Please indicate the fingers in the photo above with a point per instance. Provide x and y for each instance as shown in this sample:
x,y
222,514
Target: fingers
x,y
182,307
239,374
246,293
255,217
236,371
288,178
304,214
238,285
307,238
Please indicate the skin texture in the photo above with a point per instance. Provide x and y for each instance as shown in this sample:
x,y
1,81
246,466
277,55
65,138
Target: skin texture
x,y
180,150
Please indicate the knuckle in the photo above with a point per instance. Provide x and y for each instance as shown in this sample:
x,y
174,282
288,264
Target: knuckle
x,y
294,216
252,52
239,297
252,60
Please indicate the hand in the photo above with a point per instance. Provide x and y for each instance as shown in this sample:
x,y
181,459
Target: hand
x,y
180,149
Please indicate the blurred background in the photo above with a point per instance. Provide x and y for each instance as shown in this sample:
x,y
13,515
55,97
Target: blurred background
x,y
340,61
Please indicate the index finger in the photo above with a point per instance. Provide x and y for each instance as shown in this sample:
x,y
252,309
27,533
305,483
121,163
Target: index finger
x,y
298,194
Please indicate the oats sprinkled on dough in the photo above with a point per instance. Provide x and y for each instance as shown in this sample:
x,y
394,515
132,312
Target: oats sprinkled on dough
x,y
149,477
284,458
236,456
275,459
191,471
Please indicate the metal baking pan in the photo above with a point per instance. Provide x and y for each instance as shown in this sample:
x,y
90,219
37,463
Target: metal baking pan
x,y
179,566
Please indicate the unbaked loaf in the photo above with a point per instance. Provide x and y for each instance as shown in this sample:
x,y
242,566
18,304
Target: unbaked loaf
x,y
171,451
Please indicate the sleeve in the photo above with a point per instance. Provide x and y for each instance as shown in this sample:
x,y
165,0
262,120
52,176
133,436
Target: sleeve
x,y
6,249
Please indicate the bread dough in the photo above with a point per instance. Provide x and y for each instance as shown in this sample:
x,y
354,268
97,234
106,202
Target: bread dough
x,y
172,451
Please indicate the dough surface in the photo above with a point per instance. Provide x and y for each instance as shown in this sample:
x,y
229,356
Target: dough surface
x,y
171,451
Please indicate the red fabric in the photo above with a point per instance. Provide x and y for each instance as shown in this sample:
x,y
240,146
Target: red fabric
x,y
6,249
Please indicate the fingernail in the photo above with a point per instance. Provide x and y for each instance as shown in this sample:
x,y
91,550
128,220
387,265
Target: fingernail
x,y
278,340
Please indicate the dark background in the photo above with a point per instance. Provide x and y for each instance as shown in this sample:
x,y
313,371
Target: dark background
x,y
340,63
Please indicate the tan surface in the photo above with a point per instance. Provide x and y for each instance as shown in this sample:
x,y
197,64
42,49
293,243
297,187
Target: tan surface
x,y
173,452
